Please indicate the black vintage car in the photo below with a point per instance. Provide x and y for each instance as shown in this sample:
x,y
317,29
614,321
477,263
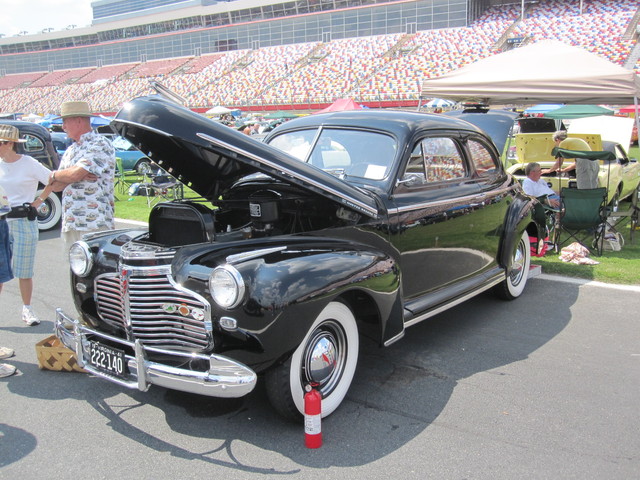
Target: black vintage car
x,y
39,145
338,225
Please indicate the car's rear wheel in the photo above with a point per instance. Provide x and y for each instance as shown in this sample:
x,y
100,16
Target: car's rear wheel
x,y
516,277
49,213
326,357
143,167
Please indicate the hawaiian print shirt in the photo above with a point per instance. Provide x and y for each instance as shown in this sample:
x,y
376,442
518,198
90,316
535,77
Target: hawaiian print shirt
x,y
89,205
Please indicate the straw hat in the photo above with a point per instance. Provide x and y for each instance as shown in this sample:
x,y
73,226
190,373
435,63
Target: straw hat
x,y
75,109
9,133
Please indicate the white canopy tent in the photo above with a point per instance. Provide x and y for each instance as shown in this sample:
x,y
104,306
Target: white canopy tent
x,y
544,72
218,110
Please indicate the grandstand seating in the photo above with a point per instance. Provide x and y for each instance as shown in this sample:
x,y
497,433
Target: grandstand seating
x,y
157,67
387,67
60,77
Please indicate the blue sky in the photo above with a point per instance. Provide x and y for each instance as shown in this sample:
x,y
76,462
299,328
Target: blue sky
x,y
35,15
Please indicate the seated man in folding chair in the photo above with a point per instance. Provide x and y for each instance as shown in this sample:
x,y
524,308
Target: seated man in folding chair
x,y
535,186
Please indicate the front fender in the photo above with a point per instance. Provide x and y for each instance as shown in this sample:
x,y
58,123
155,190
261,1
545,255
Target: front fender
x,y
287,289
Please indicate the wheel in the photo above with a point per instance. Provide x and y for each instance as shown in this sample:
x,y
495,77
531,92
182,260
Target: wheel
x,y
49,213
516,277
327,357
143,167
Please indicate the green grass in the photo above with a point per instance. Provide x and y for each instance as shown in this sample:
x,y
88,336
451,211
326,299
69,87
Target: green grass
x,y
136,207
621,267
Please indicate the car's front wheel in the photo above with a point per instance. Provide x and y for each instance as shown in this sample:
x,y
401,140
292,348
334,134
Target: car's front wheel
x,y
516,277
49,213
327,358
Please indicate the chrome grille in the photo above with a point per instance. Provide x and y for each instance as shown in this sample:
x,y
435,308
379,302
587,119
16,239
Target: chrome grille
x,y
152,308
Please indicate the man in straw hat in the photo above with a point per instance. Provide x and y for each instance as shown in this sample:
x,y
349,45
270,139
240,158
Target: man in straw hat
x,y
86,174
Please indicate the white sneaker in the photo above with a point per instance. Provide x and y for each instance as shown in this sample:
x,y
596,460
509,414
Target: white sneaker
x,y
6,370
29,317
6,352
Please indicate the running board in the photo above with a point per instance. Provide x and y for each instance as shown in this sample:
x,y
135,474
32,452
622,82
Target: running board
x,y
445,306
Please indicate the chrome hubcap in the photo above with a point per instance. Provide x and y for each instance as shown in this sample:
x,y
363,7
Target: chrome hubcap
x,y
517,269
324,357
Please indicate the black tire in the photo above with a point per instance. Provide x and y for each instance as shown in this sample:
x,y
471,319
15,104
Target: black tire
x,y
516,277
333,338
49,213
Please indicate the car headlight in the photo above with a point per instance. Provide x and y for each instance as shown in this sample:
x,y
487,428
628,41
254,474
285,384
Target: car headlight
x,y
80,259
226,286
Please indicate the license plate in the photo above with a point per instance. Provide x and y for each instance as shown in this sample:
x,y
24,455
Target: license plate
x,y
107,359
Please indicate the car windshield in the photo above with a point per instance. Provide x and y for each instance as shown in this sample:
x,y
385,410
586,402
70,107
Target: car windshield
x,y
354,153
122,144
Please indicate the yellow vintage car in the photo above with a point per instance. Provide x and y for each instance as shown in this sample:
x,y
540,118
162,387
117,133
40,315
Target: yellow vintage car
x,y
620,176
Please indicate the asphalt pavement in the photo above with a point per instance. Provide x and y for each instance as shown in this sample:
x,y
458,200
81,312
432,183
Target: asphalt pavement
x,y
547,386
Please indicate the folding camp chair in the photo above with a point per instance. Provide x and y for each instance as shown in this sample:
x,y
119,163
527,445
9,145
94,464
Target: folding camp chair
x,y
583,216
163,187
121,184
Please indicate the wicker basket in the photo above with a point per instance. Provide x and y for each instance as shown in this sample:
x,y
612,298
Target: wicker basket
x,y
53,355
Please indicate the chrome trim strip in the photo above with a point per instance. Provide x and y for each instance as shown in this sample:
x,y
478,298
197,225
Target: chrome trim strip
x,y
363,207
224,378
417,206
250,255
453,303
141,125
394,339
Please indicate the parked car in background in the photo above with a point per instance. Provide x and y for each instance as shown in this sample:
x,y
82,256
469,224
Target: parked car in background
x,y
61,142
40,146
132,158
338,225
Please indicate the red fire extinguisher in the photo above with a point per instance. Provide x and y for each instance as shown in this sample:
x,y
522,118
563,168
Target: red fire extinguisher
x,y
312,417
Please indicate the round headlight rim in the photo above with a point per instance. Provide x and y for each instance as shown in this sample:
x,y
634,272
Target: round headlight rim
x,y
239,284
86,250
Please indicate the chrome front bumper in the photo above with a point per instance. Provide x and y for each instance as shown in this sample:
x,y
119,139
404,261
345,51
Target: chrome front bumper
x,y
225,378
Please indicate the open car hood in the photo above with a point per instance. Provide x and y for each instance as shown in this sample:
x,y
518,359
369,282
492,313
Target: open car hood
x,y
612,129
210,157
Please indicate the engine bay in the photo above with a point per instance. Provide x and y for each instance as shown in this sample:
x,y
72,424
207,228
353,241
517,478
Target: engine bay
x,y
252,210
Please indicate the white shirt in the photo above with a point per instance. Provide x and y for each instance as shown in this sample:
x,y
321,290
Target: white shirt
x,y
536,189
20,179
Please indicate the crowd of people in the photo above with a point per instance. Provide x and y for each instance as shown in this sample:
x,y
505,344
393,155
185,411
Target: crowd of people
x,y
387,67
86,178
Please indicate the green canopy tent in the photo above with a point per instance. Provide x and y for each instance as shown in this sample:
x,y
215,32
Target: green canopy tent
x,y
280,114
577,111
589,155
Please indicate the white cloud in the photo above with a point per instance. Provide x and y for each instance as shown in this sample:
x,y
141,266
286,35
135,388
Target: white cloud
x,y
35,15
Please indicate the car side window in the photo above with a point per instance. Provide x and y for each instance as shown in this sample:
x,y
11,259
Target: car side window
x,y
483,161
442,160
434,159
33,144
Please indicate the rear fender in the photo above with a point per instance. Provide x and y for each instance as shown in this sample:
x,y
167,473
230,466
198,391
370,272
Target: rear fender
x,y
519,216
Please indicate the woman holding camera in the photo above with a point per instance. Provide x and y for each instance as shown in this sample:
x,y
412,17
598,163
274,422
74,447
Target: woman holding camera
x,y
20,176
